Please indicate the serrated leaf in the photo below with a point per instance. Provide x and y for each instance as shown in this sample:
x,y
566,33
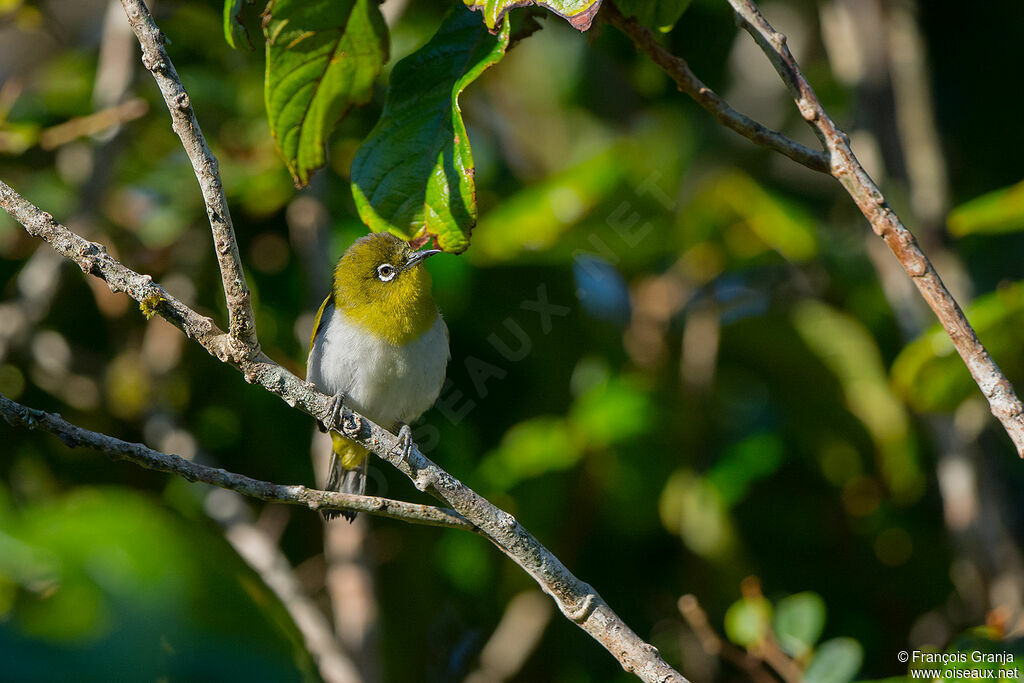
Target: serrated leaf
x,y
836,661
322,58
799,620
413,175
235,33
657,14
579,13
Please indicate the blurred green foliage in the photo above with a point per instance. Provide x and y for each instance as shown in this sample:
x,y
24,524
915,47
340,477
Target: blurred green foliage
x,y
104,583
724,391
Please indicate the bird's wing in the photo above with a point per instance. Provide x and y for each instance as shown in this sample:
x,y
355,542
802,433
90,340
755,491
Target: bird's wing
x,y
318,321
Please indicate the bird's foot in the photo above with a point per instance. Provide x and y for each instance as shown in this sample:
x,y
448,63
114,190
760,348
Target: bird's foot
x,y
404,447
336,408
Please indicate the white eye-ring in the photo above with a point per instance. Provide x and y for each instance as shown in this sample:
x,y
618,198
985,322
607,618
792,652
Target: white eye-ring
x,y
386,272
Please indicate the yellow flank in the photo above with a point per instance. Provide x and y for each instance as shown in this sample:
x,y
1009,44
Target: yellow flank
x,y
316,322
350,454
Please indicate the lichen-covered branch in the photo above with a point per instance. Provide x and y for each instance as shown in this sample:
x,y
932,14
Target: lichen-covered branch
x,y
577,600
241,324
18,415
845,168
687,82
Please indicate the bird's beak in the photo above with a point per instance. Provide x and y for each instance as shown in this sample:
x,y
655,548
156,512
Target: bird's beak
x,y
418,257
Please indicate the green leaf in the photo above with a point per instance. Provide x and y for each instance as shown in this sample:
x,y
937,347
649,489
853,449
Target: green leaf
x,y
579,13
994,212
235,33
322,58
799,620
414,173
836,661
657,14
747,620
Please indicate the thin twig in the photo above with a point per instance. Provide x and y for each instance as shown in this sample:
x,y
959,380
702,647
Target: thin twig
x,y
677,69
63,133
716,646
845,168
18,415
576,599
241,324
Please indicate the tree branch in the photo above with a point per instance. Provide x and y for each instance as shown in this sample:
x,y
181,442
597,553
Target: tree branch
x,y
242,340
840,163
845,168
576,599
18,415
679,71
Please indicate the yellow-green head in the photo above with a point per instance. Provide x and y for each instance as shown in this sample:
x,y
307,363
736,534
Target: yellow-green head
x,y
380,284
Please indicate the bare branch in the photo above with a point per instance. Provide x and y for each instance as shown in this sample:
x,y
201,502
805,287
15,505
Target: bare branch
x,y
241,324
841,163
18,415
63,133
677,69
886,224
577,600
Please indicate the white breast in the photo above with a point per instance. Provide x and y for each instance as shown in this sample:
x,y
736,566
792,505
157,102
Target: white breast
x,y
387,383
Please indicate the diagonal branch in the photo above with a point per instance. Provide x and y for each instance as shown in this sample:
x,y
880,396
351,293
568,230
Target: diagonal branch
x,y
242,339
18,415
845,168
679,71
577,600
840,163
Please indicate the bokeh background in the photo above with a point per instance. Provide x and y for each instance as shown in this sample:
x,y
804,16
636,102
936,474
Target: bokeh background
x,y
739,395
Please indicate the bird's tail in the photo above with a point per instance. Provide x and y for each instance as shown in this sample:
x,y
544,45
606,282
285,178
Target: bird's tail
x,y
347,472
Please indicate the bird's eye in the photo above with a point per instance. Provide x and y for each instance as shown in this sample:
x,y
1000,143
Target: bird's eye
x,y
385,272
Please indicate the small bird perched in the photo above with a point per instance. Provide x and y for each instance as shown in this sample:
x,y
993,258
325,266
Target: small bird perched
x,y
380,345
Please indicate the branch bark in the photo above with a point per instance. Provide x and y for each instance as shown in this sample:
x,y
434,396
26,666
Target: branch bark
x,y
679,71
845,168
577,600
840,163
18,415
242,340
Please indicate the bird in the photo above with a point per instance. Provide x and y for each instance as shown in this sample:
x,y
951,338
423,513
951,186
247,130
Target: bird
x,y
379,346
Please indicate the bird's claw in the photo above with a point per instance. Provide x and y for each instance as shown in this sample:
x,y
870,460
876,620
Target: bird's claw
x,y
404,446
336,408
